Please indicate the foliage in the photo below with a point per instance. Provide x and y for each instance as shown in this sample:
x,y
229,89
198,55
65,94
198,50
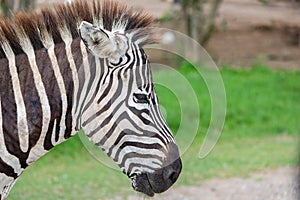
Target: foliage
x,y
165,17
8,6
261,131
264,1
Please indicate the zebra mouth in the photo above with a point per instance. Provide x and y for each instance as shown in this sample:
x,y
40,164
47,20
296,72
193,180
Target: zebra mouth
x,y
141,183
157,182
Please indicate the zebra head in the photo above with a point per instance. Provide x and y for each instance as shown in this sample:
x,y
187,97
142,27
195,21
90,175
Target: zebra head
x,y
128,125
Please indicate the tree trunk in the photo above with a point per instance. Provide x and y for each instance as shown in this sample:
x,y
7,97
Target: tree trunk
x,y
210,22
199,22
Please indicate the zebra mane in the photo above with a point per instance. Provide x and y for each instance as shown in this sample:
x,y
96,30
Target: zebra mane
x,y
108,14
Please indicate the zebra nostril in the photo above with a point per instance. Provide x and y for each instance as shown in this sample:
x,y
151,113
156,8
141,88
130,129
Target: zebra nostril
x,y
163,179
172,171
171,175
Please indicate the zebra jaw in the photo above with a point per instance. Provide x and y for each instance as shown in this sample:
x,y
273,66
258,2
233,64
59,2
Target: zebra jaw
x,y
159,180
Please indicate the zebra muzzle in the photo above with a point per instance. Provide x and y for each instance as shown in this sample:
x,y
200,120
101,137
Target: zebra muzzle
x,y
162,179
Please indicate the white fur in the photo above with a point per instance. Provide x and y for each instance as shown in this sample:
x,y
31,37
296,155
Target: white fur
x,y
49,44
67,38
38,149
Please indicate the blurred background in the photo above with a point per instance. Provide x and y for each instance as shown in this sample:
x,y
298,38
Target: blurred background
x,y
256,45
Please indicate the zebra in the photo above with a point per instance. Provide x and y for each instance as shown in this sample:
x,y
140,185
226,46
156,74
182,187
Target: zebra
x,y
81,66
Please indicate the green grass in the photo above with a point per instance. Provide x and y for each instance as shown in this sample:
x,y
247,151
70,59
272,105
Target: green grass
x,y
261,131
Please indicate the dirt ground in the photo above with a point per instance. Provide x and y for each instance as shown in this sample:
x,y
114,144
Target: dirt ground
x,y
277,184
249,30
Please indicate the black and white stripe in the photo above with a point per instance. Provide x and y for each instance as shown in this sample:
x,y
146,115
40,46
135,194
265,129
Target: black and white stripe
x,y
57,84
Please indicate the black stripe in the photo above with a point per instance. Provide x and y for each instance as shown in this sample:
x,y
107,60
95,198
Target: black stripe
x,y
127,132
9,117
88,104
108,88
78,59
105,122
142,146
31,99
64,66
68,119
7,169
47,142
2,55
92,67
136,155
112,100
104,108
160,121
53,93
139,113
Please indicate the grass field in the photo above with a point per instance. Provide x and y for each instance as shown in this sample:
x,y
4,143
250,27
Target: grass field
x,y
261,131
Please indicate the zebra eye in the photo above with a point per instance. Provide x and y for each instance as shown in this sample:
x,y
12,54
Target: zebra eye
x,y
140,98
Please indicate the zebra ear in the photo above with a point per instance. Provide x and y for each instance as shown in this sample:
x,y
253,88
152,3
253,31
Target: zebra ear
x,y
103,43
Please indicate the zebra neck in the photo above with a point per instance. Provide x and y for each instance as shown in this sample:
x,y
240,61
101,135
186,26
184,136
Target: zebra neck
x,y
42,93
